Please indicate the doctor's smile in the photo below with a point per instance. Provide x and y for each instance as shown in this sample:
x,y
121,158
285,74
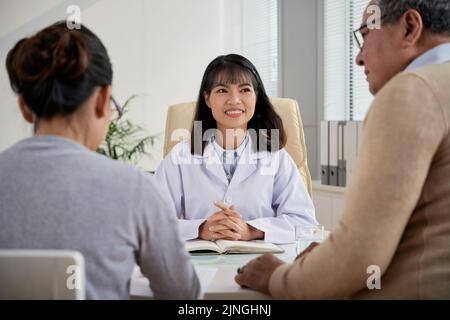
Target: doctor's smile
x,y
234,113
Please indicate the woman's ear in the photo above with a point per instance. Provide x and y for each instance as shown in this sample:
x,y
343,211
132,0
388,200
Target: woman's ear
x,y
102,102
206,97
26,113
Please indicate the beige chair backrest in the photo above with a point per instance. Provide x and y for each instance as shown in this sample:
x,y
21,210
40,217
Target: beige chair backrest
x,y
42,274
180,117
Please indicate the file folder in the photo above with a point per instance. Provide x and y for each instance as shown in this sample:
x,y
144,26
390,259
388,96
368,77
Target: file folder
x,y
334,142
324,152
342,159
350,148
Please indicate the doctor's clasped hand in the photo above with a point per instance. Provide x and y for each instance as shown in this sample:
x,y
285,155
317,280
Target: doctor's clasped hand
x,y
227,224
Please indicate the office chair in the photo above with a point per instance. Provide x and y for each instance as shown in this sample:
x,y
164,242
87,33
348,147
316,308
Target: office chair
x,y
42,274
180,116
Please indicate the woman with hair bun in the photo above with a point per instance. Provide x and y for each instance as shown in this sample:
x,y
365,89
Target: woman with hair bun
x,y
57,193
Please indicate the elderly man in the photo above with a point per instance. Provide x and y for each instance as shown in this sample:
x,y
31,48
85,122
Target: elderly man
x,y
396,215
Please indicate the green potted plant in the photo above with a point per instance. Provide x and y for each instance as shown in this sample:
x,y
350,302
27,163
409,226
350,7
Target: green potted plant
x,y
125,140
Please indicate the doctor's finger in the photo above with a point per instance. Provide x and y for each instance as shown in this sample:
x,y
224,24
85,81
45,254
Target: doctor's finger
x,y
221,205
230,234
232,213
227,209
237,220
218,227
218,216
227,224
215,236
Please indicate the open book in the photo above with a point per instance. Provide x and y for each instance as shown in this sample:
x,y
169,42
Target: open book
x,y
227,246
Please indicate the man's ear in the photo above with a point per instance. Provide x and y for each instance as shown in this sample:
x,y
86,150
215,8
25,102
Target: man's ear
x,y
26,113
413,27
102,102
206,96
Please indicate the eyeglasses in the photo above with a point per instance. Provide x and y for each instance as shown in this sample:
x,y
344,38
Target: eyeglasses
x,y
117,111
359,35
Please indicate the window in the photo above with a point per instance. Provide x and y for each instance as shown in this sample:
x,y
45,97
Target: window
x,y
260,40
346,91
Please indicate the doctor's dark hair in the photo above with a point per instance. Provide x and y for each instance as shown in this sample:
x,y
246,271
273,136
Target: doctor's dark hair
x,y
435,13
236,69
57,69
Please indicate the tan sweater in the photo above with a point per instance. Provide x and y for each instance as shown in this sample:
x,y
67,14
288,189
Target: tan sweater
x,y
396,211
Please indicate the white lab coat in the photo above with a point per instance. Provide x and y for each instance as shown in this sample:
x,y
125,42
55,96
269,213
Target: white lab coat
x,y
266,189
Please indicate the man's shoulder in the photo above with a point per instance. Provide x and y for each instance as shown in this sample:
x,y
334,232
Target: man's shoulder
x,y
432,70
414,95
435,76
432,79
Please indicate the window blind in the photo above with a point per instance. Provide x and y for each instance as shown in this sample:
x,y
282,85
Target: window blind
x,y
346,91
260,40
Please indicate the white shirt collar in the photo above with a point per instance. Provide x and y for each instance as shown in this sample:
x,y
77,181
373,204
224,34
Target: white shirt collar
x,y
437,55
238,150
210,152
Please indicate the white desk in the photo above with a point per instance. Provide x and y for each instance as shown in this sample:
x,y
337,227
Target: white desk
x,y
328,201
216,274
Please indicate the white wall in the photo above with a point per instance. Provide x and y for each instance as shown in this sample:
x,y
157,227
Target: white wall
x,y
159,49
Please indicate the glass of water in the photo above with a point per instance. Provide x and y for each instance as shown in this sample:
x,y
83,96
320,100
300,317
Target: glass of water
x,y
306,234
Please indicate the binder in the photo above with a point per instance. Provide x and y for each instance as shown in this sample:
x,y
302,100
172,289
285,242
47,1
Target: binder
x,y
333,164
342,159
324,152
351,148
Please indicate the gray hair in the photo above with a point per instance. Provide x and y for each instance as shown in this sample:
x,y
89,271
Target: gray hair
x,y
435,13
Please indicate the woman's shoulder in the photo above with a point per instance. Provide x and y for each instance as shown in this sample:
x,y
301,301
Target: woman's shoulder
x,y
274,162
180,153
286,158
282,158
280,154
181,149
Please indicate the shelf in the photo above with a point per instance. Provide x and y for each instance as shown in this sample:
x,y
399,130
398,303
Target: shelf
x,y
318,186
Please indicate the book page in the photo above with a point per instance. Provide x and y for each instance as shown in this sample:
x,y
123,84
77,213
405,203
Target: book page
x,y
247,246
202,245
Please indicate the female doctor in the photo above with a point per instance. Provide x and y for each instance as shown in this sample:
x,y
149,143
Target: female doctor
x,y
233,180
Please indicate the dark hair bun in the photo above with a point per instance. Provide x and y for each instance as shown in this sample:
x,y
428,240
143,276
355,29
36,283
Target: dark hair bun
x,y
56,53
57,69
